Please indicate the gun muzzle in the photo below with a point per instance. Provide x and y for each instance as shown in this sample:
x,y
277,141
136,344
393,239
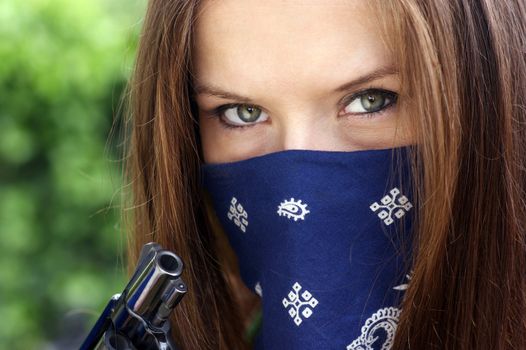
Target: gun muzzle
x,y
138,317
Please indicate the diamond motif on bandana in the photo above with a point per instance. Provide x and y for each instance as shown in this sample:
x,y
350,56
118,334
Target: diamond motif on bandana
x,y
296,302
389,206
238,214
293,209
385,319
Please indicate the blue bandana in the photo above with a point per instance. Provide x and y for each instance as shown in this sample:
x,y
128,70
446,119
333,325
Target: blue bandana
x,y
323,237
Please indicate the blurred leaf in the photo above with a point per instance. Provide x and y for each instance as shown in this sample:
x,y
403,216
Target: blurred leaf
x,y
64,65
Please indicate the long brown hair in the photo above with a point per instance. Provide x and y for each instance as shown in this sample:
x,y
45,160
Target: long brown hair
x,y
462,65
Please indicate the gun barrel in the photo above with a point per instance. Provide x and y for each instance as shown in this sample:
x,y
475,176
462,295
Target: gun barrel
x,y
140,314
157,283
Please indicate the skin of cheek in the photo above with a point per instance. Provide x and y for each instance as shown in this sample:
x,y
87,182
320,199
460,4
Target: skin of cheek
x,y
391,130
225,145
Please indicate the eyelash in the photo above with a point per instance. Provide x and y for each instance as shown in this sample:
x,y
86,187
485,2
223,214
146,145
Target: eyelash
x,y
218,111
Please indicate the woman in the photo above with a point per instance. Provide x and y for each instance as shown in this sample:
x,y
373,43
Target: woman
x,y
222,87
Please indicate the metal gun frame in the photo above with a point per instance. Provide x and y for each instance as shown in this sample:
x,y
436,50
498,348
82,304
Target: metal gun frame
x,y
138,318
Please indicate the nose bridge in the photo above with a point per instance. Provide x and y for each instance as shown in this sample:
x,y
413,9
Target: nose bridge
x,y
300,130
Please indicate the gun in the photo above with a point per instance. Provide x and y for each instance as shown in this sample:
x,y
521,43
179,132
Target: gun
x,y
138,318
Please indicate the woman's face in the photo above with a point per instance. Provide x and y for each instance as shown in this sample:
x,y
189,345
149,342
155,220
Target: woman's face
x,y
299,74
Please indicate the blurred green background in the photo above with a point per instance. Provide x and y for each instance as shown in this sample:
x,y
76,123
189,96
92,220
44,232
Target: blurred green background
x,y
63,67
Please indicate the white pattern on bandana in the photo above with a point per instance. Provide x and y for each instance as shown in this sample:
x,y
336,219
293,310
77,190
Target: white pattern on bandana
x,y
238,214
258,289
388,206
386,319
293,209
297,301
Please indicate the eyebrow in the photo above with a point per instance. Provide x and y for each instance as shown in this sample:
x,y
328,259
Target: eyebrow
x,y
208,89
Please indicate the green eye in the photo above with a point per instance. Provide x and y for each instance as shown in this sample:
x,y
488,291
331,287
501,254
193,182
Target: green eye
x,y
370,101
244,115
248,114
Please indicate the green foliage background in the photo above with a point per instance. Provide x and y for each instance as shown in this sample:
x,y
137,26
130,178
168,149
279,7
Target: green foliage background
x,y
63,65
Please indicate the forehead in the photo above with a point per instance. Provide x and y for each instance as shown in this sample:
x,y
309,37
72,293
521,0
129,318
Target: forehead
x,y
256,45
